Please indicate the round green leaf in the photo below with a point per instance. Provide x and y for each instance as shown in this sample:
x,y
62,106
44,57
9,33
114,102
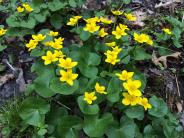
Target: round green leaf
x,y
63,88
135,112
86,108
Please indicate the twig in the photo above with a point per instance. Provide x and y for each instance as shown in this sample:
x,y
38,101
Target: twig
x,y
61,104
9,65
178,89
163,4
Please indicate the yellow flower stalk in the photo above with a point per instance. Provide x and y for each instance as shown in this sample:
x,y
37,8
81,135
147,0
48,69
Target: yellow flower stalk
x,y
89,97
125,75
100,89
66,63
68,76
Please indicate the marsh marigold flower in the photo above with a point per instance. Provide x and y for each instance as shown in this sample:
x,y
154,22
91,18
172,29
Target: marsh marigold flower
x,y
2,31
120,31
130,99
53,34
38,37
73,21
132,86
130,16
93,20
32,44
105,20
58,54
66,63
91,27
68,76
102,33
27,7
89,97
125,75
143,38
144,102
111,44
49,58
20,9
167,31
100,89
117,12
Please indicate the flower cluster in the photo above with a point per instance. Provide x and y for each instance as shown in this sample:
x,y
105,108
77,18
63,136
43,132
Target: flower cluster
x,y
133,95
24,7
112,55
143,38
89,97
34,41
2,31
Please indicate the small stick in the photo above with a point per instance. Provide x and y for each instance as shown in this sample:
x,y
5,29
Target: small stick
x,y
178,89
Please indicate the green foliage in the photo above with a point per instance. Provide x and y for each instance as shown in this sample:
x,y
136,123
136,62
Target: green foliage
x,y
56,108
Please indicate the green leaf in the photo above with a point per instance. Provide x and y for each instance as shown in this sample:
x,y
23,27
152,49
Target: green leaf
x,y
63,88
42,15
149,132
126,130
159,107
86,108
2,47
140,54
45,75
33,109
56,5
37,52
96,127
84,35
93,59
126,1
37,3
113,90
69,126
56,21
135,112
72,3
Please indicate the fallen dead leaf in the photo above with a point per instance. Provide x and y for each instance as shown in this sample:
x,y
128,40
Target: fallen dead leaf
x,y
179,106
20,80
163,59
141,16
5,78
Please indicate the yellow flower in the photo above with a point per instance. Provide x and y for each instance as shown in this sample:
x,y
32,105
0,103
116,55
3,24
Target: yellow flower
x,y
56,44
27,7
167,31
59,40
20,9
116,49
68,76
130,17
117,12
89,97
102,33
52,33
111,44
2,31
92,20
73,21
31,45
111,57
144,102
66,63
132,86
38,37
130,99
91,27
120,31
100,89
143,38
150,42
105,20
58,54
125,75
49,58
